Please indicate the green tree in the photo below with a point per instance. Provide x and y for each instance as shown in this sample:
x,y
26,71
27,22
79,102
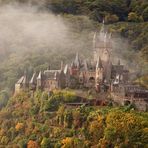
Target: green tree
x,y
68,119
145,14
109,18
45,143
133,17
4,96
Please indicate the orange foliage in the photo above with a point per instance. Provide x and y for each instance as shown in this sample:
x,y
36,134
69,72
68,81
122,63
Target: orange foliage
x,y
19,126
32,144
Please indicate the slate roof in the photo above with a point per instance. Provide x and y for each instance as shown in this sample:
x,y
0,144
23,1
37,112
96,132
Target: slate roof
x,y
22,80
33,79
99,63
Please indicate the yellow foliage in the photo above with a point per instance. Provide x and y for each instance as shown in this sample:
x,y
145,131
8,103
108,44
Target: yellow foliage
x,y
96,128
67,142
100,119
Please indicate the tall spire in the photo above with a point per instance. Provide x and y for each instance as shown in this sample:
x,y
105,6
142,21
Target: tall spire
x,y
99,63
33,79
77,60
66,69
40,75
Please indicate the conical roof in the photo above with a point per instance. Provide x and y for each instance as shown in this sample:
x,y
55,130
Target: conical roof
x,y
40,75
33,79
77,60
99,63
66,69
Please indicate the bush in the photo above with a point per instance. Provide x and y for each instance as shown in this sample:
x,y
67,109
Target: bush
x,y
23,143
145,14
132,17
45,143
34,110
69,96
4,96
109,18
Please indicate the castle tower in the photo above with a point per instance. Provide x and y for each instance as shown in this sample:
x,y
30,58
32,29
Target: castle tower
x,y
99,74
106,61
75,66
77,61
99,71
101,41
22,84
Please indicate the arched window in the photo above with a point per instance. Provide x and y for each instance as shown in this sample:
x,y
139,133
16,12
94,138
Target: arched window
x,y
92,79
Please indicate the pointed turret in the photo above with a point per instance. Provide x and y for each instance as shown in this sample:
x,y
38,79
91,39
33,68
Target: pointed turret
x,y
66,69
99,63
40,75
56,75
77,60
33,79
20,81
33,82
22,84
99,74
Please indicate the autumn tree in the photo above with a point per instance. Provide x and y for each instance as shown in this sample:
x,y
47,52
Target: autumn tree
x,y
32,144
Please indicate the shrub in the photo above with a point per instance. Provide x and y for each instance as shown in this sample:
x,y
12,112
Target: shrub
x,y
132,17
45,143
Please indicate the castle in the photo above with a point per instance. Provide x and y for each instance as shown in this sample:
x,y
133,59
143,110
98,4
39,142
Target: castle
x,y
98,73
